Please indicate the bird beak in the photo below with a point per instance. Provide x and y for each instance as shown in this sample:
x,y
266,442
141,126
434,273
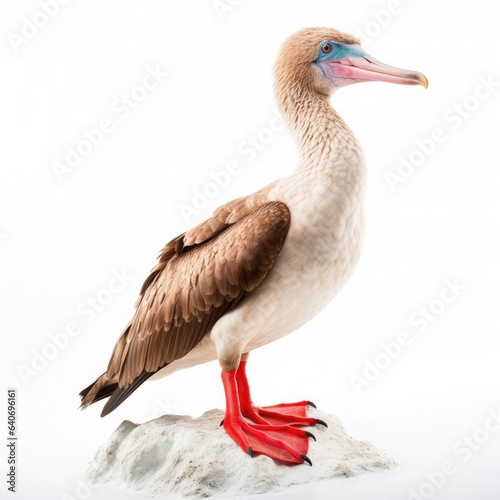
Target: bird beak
x,y
362,67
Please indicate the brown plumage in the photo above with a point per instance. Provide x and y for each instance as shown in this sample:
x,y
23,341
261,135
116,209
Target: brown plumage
x,y
200,275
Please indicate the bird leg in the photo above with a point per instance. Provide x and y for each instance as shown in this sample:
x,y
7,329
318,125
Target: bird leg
x,y
273,431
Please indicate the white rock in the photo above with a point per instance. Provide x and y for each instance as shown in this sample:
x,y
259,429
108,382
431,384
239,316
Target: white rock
x,y
181,457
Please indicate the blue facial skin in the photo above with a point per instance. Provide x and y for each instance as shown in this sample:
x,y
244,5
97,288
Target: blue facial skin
x,y
338,51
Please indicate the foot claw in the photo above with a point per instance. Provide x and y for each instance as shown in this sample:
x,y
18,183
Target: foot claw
x,y
305,458
321,422
311,435
250,451
310,403
222,423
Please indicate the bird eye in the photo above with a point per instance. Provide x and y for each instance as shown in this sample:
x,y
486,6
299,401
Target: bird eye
x,y
326,48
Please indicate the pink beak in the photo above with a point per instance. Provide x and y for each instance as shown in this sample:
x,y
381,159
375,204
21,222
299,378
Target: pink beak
x,y
365,68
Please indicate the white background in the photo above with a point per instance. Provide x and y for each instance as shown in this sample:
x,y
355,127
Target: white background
x,y
61,240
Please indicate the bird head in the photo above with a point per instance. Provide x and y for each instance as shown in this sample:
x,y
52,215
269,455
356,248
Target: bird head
x,y
325,59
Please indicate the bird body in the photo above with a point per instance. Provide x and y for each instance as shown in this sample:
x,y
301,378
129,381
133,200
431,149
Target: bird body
x,y
325,198
265,264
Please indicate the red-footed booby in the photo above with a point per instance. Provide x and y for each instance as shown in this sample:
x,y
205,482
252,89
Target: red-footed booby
x,y
265,264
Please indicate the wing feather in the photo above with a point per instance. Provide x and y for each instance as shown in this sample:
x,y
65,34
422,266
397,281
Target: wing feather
x,y
200,275
193,289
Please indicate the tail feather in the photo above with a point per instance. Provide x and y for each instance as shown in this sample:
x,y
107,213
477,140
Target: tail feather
x,y
96,391
120,394
104,388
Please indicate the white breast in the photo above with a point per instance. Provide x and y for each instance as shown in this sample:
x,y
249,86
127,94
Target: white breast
x,y
321,250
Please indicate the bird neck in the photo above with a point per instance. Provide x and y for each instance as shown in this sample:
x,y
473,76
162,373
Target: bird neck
x,y
327,148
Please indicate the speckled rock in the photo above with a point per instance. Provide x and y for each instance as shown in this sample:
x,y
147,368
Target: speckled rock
x,y
180,457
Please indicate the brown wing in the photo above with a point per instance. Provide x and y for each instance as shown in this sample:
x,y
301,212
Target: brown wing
x,y
200,275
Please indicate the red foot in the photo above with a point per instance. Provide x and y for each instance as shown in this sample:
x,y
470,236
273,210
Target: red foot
x,y
274,430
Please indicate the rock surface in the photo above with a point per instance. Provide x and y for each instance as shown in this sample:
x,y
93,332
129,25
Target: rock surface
x,y
180,457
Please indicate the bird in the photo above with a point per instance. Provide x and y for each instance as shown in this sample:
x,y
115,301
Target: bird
x,y
265,264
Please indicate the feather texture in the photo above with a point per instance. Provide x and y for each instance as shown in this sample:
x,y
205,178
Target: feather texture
x,y
200,276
